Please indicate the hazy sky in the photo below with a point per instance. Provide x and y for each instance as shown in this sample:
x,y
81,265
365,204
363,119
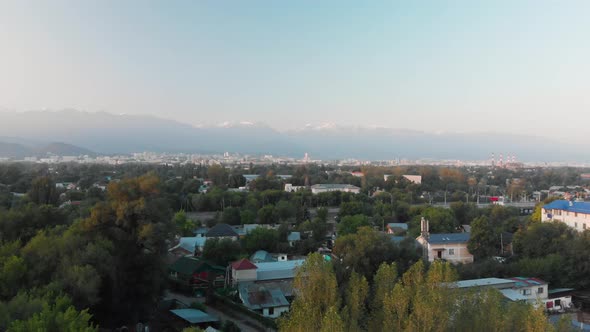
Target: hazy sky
x,y
502,66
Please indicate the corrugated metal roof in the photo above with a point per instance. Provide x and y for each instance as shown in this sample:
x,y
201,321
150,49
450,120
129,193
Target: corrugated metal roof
x,y
277,270
190,243
484,282
262,256
525,282
257,296
513,294
194,316
571,206
449,238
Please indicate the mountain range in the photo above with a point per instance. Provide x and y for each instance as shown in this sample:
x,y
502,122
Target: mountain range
x,y
106,133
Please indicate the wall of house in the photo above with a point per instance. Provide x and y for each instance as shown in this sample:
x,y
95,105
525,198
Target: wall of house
x,y
460,254
575,220
243,275
558,303
277,311
534,293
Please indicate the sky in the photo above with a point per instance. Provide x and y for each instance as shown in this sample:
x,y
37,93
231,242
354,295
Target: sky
x,y
446,66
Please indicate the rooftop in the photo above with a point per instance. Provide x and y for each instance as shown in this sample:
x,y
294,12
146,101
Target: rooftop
x,y
525,282
278,270
261,256
221,230
334,186
294,236
571,206
449,238
190,265
243,264
190,243
194,316
484,282
401,225
256,296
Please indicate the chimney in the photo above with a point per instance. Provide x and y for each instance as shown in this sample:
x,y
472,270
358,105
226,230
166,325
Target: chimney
x,y
424,228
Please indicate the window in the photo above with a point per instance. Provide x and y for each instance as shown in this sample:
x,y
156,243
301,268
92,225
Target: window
x,y
557,303
576,214
271,311
451,252
584,226
540,290
526,292
576,225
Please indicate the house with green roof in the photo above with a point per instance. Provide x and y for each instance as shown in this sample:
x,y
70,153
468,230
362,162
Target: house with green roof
x,y
193,273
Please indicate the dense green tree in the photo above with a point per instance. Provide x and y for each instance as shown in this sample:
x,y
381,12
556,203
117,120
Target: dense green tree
x,y
136,221
59,316
261,239
283,211
247,216
183,225
265,214
317,293
221,252
542,239
355,299
231,216
484,240
366,250
350,224
43,191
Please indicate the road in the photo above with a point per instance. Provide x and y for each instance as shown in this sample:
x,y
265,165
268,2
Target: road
x,y
245,323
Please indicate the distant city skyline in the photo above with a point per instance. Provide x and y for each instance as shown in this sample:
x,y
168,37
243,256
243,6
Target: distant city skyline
x,y
515,67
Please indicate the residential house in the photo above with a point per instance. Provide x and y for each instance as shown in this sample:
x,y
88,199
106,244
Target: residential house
x,y
279,270
532,290
451,247
193,273
261,256
270,302
194,317
265,271
397,228
291,188
323,188
416,179
243,270
188,246
222,231
574,214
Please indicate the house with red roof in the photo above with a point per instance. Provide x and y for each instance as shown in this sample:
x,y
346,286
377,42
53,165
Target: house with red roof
x,y
243,270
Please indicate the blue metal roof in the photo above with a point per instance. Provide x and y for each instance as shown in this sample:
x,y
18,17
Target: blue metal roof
x,y
571,206
398,225
448,238
278,270
261,256
194,316
294,236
